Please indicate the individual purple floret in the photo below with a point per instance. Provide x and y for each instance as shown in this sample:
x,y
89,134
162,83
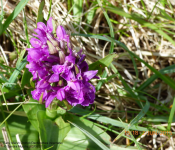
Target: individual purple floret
x,y
59,72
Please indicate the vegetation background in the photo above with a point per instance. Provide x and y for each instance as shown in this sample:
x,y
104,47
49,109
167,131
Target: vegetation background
x,y
130,42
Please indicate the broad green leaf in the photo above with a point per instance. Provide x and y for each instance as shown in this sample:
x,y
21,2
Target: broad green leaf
x,y
90,127
40,17
13,15
32,109
90,15
64,128
48,131
104,62
77,9
77,140
27,133
99,143
26,78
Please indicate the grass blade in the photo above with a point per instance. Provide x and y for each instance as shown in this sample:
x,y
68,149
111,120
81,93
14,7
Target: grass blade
x,y
14,14
169,69
140,21
77,9
17,71
49,9
171,116
167,80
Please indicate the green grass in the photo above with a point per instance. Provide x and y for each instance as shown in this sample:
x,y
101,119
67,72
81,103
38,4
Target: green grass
x,y
122,105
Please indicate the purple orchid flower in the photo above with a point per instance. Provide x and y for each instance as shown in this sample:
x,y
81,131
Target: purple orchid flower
x,y
59,72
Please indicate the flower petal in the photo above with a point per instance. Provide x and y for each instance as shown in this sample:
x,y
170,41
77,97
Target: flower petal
x,y
89,74
84,66
71,59
61,33
35,55
54,78
42,84
61,94
37,93
50,98
41,26
49,25
35,42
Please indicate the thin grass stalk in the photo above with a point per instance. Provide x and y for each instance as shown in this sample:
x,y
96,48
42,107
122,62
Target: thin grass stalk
x,y
112,43
6,125
50,7
171,116
25,27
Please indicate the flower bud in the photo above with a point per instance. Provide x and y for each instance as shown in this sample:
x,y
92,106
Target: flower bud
x,y
62,57
52,49
52,39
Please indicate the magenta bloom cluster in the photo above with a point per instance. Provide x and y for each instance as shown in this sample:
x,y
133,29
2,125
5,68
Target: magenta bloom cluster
x,y
59,72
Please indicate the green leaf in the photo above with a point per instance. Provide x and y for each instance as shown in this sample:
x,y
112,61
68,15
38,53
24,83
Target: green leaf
x,y
140,20
31,110
141,114
77,140
167,70
107,120
13,15
171,116
10,93
1,27
166,79
77,9
90,127
17,71
48,131
49,10
40,17
100,144
134,122
90,15
104,62
20,125
64,128
158,118
166,16
26,78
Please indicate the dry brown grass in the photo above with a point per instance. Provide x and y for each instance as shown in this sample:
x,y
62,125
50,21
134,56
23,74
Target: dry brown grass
x,y
146,43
